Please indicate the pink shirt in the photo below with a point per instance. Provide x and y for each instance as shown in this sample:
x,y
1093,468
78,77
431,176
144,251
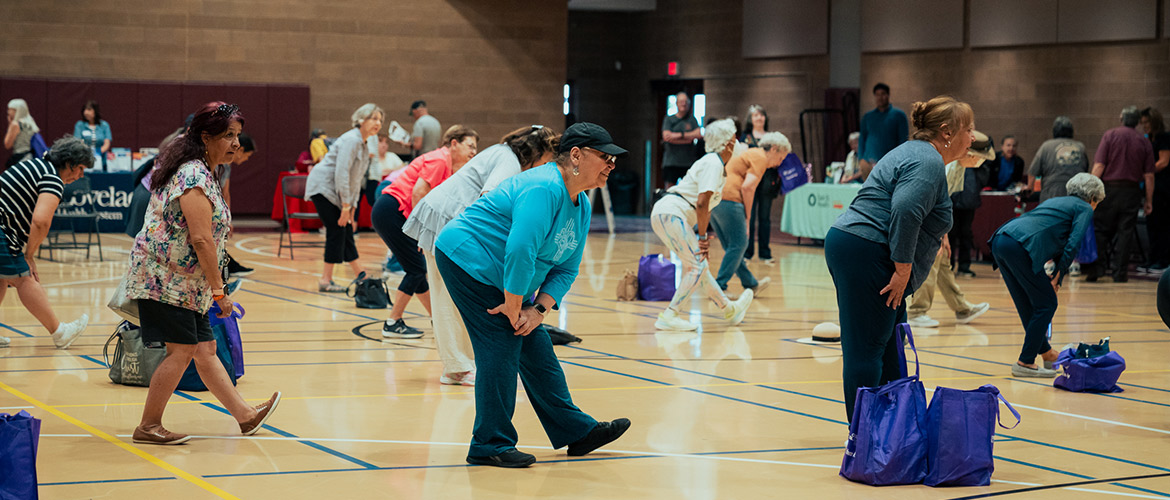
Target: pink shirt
x,y
433,167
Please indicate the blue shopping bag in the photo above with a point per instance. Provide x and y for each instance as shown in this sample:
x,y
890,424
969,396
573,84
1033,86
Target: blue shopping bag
x,y
18,456
1089,374
191,380
792,174
887,437
960,426
1088,251
655,278
231,326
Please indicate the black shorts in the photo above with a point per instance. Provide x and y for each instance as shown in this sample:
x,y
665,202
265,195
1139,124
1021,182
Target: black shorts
x,y
172,324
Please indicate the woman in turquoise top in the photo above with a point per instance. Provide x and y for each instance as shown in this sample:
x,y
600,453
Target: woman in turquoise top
x,y
525,238
95,131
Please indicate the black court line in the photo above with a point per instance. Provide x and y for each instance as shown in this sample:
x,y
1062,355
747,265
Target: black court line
x,y
357,330
1062,485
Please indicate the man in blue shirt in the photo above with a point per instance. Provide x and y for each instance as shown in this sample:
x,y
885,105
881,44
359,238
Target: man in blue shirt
x,y
882,129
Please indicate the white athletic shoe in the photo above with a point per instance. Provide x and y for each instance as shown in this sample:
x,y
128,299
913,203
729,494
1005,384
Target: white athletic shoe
x,y
976,311
923,321
467,379
669,320
735,311
4,341
67,333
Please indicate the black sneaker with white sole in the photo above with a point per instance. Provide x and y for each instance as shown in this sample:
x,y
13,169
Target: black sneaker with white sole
x,y
399,330
511,459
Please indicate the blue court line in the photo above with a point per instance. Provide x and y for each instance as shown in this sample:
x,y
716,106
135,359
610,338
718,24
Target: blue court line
x,y
18,332
813,416
95,360
276,430
445,466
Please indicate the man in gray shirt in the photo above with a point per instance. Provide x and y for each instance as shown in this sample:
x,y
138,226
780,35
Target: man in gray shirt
x,y
427,131
679,132
1058,160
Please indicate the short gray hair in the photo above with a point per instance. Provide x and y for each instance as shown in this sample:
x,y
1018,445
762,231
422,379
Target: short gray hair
x,y
772,140
70,151
367,110
854,136
1086,186
717,134
1130,116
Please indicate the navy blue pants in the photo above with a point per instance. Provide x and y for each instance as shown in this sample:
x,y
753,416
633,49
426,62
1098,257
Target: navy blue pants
x,y
869,348
1031,291
388,220
499,356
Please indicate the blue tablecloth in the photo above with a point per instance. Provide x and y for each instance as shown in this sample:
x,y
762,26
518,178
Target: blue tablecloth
x,y
810,210
110,194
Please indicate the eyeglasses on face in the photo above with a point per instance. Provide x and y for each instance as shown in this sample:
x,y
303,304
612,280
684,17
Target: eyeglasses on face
x,y
606,157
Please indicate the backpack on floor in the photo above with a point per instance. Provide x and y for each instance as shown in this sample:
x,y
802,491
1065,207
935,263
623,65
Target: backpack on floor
x,y
369,293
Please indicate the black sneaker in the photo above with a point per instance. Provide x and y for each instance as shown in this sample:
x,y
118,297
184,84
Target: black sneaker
x,y
237,269
511,459
399,330
603,434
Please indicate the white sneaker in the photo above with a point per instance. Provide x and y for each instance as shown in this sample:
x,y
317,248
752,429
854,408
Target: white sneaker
x,y
735,311
467,379
923,321
4,341
761,285
67,333
1074,269
976,311
669,320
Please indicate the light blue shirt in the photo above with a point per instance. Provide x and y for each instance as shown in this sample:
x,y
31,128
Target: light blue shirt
x,y
881,132
95,137
1054,230
525,236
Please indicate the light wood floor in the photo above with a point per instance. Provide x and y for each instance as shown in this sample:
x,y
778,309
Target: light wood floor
x,y
742,412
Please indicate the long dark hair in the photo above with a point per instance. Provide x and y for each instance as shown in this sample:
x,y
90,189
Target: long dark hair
x,y
97,111
213,118
530,143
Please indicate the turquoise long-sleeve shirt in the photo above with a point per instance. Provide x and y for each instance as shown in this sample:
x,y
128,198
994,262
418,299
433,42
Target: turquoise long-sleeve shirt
x,y
525,236
1053,230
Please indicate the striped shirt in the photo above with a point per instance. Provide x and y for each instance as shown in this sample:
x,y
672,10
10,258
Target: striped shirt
x,y
20,186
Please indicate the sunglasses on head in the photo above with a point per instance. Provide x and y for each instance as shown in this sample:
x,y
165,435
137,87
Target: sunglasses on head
x,y
226,109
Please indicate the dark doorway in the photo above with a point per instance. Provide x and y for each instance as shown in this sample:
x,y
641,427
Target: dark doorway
x,y
663,92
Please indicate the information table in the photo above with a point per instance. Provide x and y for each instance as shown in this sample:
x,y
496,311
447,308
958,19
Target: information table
x,y
810,210
110,194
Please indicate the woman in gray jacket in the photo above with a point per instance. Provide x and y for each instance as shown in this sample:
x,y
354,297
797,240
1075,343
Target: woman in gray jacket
x,y
335,188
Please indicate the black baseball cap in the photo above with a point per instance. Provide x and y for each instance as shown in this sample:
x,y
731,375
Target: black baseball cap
x,y
589,135
415,105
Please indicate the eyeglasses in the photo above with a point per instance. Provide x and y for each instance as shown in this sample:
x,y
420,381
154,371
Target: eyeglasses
x,y
226,109
606,157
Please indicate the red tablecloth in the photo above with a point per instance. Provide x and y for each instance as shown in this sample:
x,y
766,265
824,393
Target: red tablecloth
x,y
295,205
996,209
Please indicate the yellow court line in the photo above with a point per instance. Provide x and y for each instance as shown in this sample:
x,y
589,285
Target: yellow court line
x,y
180,473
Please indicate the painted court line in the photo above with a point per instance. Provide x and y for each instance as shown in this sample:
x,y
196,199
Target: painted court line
x,y
180,473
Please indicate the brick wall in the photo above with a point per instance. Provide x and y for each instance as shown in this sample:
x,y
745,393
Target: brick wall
x,y
1019,91
491,64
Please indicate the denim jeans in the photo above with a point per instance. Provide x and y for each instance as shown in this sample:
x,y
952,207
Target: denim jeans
x,y
730,224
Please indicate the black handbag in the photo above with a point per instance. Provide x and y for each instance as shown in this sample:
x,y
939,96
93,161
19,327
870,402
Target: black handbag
x,y
369,293
770,184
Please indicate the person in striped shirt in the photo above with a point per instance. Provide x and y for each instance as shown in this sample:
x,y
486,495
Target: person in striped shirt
x,y
29,194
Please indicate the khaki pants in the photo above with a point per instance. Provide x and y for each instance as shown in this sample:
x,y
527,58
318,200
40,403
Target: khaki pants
x,y
450,331
943,278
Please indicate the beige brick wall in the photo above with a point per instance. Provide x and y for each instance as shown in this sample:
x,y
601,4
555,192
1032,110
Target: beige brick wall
x,y
1019,91
491,64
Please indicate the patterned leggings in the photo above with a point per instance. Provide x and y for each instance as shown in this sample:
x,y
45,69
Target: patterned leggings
x,y
681,240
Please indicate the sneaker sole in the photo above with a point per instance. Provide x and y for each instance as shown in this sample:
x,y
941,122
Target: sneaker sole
x,y
168,443
663,326
972,317
271,410
401,336
507,465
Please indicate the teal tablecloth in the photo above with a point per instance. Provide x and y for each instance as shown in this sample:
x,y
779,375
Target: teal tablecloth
x,y
811,209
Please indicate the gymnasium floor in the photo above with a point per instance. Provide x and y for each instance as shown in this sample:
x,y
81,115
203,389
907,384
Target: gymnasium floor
x,y
742,412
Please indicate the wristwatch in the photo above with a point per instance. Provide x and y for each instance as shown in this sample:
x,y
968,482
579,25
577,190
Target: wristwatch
x,y
540,309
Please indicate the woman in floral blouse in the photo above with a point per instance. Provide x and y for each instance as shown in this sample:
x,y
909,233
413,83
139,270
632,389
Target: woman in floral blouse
x,y
175,270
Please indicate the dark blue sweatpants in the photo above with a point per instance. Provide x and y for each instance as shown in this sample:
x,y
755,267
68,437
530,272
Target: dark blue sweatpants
x,y
499,355
1030,290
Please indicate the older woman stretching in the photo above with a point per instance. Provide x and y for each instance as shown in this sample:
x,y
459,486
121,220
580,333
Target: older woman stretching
x,y
335,188
883,246
687,204
1051,231
423,174
518,151
176,270
524,239
29,194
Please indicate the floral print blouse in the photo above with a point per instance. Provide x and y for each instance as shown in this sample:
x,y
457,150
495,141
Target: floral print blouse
x,y
163,264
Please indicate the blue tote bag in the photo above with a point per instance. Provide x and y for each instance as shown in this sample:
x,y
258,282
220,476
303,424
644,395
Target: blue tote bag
x,y
887,437
960,427
1088,252
655,278
1092,374
18,456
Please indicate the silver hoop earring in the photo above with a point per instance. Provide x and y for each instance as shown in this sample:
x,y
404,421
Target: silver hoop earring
x,y
948,144
576,171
